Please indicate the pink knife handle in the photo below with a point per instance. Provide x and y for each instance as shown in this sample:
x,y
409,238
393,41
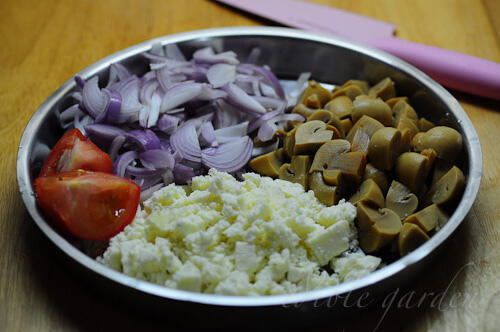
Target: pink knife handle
x,y
452,69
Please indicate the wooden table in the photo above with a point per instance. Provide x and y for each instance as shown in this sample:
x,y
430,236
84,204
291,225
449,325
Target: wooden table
x,y
44,43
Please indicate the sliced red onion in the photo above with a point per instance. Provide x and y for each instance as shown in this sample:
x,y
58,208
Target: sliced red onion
x,y
116,145
207,134
229,157
79,81
267,90
103,133
148,88
130,100
145,182
143,139
157,49
268,129
154,110
122,161
175,110
112,112
142,171
294,92
221,74
81,123
148,193
254,55
248,83
207,93
240,99
94,101
269,76
207,55
66,117
173,51
157,159
230,133
225,114
185,142
77,95
260,150
117,72
183,174
271,103
260,120
167,123
179,94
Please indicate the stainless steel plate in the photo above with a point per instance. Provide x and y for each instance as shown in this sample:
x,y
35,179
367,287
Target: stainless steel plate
x,y
288,52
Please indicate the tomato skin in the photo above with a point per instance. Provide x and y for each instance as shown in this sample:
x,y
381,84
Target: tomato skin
x,y
73,151
89,205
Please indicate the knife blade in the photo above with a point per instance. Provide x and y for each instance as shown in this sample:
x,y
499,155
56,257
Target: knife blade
x,y
453,69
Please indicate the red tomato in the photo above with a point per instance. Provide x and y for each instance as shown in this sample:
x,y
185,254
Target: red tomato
x,y
89,205
73,151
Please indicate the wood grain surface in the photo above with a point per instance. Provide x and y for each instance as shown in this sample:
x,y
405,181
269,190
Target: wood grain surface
x,y
44,43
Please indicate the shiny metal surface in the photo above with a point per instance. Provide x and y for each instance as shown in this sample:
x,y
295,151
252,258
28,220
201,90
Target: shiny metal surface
x,y
288,52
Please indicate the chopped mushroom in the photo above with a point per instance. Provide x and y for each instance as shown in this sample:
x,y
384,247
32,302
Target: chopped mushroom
x,y
401,200
297,171
377,227
410,238
310,136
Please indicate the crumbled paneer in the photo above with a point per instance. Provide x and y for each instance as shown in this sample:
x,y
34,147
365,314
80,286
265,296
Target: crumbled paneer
x,y
254,237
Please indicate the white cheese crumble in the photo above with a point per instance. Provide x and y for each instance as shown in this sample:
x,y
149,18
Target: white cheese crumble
x,y
254,237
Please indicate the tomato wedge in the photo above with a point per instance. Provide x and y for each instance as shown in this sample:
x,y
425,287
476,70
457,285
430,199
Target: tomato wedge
x,y
89,205
73,151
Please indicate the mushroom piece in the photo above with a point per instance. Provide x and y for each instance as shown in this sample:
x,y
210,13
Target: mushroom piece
x,y
368,193
303,110
371,172
367,124
411,170
383,89
336,132
446,141
341,106
325,193
408,124
410,238
267,164
289,143
384,148
297,171
428,218
351,164
431,158
327,152
377,227
312,101
405,141
350,91
448,189
393,101
310,136
375,108
312,88
333,177
441,167
346,124
403,110
321,115
363,85
424,124
334,155
401,200
335,121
